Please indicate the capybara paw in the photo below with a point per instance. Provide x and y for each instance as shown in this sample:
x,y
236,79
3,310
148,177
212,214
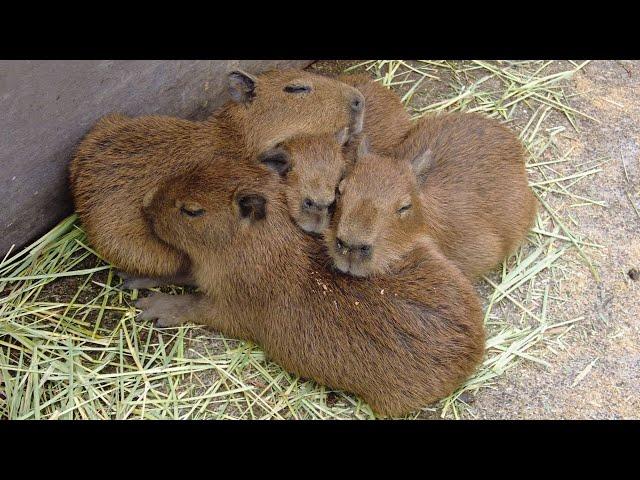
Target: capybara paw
x,y
166,309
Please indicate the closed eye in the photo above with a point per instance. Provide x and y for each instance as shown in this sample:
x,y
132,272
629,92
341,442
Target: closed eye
x,y
404,208
192,213
297,89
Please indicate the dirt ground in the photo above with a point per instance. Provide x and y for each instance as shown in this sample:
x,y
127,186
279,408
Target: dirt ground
x,y
609,335
597,373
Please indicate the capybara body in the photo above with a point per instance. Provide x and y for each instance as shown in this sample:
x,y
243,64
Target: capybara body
x,y
400,341
313,165
458,179
121,158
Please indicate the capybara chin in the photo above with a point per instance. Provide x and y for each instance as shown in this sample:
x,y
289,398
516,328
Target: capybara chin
x,y
121,158
400,341
458,179
312,166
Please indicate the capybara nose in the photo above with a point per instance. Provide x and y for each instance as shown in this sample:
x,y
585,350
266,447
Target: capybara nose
x,y
357,103
309,205
363,251
357,114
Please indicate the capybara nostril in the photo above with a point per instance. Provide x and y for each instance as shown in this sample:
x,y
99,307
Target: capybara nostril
x,y
357,114
308,204
340,245
357,103
365,251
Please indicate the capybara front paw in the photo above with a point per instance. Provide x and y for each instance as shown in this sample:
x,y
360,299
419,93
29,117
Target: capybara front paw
x,y
167,310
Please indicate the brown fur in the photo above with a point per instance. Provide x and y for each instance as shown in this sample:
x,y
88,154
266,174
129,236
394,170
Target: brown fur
x,y
386,121
399,341
316,164
121,158
464,176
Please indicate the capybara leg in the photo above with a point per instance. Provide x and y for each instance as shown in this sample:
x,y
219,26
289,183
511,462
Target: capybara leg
x,y
167,310
183,278
174,310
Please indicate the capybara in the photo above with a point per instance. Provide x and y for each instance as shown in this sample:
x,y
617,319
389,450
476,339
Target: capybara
x,y
313,165
121,158
400,341
458,179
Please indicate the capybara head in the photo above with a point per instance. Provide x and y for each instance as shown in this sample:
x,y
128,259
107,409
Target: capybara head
x,y
378,217
211,208
282,103
311,166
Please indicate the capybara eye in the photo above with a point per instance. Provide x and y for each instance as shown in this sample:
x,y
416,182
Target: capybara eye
x,y
192,213
277,159
297,89
404,208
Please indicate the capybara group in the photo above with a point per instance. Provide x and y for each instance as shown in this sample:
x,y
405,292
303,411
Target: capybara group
x,y
400,341
121,158
458,179
405,215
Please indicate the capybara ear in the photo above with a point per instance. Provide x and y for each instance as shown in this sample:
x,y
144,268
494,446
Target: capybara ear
x,y
363,147
241,86
252,206
421,163
277,159
148,197
342,137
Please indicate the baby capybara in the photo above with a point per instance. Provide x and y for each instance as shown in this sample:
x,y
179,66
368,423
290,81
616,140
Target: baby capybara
x,y
121,158
313,165
400,341
458,179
